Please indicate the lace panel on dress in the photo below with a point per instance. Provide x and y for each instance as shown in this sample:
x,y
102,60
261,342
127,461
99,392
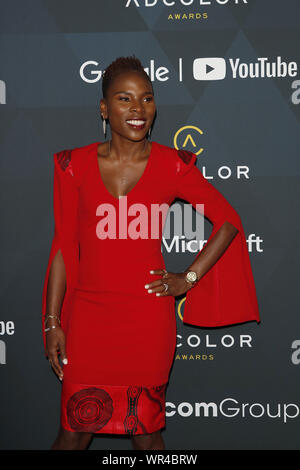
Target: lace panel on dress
x,y
64,160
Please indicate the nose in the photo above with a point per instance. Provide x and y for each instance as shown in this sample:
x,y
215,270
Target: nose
x,y
137,106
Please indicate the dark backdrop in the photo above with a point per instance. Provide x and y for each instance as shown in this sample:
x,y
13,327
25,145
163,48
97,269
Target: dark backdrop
x,y
51,52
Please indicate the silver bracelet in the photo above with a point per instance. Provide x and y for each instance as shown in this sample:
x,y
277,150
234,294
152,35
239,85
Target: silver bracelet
x,y
51,316
47,329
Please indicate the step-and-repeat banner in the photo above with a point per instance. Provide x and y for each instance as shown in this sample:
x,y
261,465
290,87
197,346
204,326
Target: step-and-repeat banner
x,y
227,87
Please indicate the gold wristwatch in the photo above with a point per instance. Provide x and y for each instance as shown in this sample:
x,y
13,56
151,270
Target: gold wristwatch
x,y
191,277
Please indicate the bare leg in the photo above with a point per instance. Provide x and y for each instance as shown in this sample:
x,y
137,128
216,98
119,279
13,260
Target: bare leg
x,y
68,440
153,441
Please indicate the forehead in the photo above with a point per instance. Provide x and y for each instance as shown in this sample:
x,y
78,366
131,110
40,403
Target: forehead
x,y
130,80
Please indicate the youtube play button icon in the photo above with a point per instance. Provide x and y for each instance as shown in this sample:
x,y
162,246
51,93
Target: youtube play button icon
x,y
209,68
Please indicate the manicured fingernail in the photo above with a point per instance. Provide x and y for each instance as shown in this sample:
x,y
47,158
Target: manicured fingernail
x,y
151,272
157,293
146,286
65,361
149,291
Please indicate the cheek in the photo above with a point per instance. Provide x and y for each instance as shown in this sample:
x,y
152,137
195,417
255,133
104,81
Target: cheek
x,y
151,109
116,114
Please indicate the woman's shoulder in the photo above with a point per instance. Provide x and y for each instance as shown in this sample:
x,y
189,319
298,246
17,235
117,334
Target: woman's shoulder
x,y
75,160
76,153
180,158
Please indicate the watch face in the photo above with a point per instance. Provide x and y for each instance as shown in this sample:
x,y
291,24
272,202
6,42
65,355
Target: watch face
x,y
192,276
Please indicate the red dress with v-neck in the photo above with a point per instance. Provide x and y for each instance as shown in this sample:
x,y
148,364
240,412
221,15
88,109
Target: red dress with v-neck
x,y
120,340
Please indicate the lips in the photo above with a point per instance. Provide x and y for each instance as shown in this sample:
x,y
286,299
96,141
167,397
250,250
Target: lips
x,y
136,123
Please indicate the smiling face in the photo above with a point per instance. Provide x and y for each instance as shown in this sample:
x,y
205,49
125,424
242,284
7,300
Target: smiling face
x,y
129,106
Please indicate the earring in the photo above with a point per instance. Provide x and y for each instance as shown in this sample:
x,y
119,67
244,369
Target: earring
x,y
104,125
149,132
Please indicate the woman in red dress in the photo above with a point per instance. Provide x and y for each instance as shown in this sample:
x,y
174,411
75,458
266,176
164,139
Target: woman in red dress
x,y
108,301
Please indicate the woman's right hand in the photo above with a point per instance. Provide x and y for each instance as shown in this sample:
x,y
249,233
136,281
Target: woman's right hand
x,y
55,341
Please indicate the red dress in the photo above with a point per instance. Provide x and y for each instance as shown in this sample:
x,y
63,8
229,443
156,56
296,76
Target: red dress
x,y
120,340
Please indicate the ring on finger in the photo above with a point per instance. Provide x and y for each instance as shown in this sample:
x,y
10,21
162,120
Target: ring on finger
x,y
165,273
166,287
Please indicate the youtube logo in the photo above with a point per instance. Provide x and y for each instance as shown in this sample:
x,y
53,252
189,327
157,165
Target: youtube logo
x,y
209,68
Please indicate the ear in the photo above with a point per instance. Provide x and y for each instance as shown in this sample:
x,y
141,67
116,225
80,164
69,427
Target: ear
x,y
103,108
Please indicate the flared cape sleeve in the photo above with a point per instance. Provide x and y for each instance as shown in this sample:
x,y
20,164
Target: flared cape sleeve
x,y
226,294
65,238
